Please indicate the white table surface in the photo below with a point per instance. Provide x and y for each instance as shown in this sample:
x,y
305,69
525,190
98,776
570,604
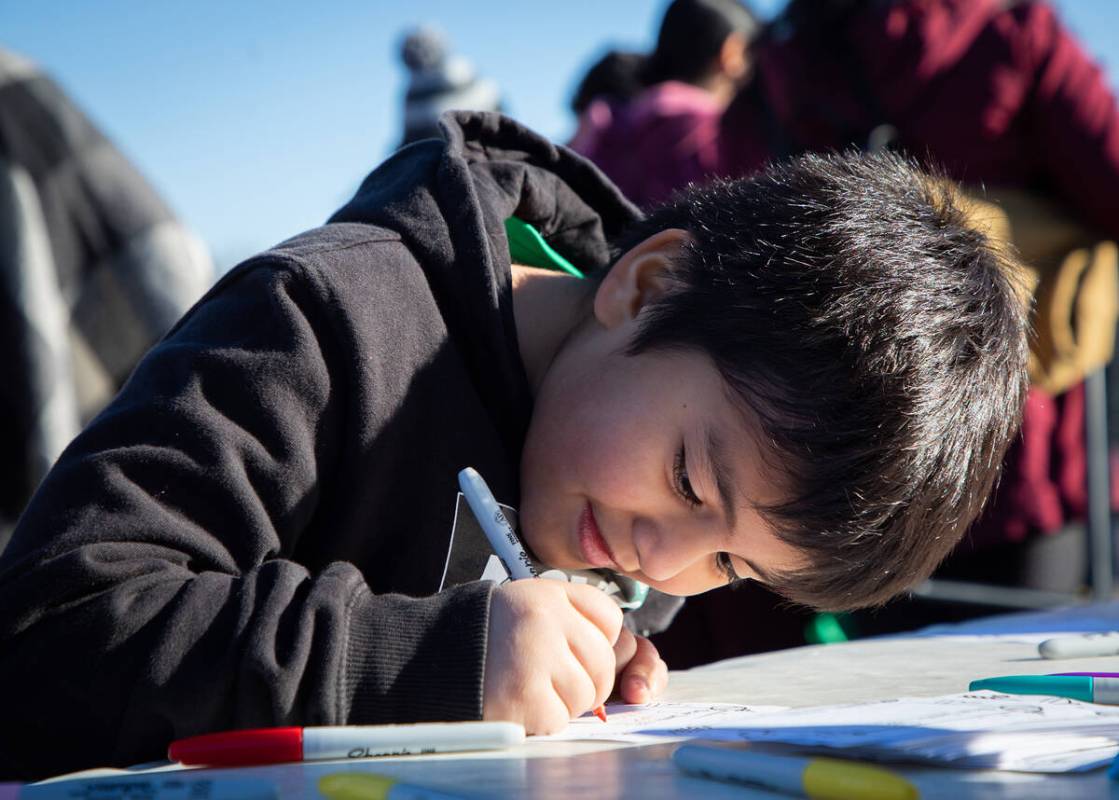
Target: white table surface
x,y
937,661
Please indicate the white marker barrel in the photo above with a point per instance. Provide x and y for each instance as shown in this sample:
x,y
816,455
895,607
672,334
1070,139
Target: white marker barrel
x,y
1086,646
783,773
358,741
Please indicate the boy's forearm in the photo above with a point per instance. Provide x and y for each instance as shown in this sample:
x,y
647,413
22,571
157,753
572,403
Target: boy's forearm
x,y
160,653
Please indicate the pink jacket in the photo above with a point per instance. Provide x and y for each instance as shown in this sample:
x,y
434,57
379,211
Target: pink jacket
x,y
661,140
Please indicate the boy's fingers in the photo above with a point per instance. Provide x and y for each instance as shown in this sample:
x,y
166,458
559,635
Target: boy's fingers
x,y
645,676
593,653
575,688
596,606
624,649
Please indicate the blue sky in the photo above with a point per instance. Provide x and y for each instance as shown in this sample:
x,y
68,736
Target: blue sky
x,y
256,120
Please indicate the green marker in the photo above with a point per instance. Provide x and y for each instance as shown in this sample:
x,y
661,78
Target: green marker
x,y
1086,688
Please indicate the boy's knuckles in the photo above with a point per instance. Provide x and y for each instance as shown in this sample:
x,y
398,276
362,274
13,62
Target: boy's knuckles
x,y
589,667
595,605
576,691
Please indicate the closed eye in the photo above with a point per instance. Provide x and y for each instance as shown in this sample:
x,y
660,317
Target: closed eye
x,y
726,566
681,481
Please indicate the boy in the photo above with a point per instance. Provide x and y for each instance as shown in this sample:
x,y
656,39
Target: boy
x,y
807,379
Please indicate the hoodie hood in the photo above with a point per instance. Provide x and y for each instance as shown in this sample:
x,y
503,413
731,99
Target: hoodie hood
x,y
485,169
448,200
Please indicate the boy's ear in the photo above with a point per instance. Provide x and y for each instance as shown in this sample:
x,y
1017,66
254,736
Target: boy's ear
x,y
639,276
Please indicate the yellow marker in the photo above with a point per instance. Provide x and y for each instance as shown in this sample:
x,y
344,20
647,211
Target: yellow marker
x,y
832,778
817,778
367,786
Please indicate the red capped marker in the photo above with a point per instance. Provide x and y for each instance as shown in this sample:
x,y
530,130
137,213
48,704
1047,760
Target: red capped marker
x,y
277,745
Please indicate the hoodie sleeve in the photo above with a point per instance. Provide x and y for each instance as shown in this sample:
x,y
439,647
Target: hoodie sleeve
x,y
148,591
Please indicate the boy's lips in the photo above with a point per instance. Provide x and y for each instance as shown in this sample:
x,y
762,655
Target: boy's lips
x,y
593,547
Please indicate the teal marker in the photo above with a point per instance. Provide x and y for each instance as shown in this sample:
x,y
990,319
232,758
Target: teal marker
x,y
1086,688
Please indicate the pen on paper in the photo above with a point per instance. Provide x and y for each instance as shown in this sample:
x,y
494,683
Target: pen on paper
x,y
500,533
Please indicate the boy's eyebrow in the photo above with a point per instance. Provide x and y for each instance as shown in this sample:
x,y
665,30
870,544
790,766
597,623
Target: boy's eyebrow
x,y
723,474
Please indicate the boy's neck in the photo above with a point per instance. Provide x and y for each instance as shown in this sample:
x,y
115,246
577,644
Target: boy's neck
x,y
548,306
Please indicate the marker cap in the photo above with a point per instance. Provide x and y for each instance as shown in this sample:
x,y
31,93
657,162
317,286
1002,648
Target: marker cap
x,y
240,748
1075,688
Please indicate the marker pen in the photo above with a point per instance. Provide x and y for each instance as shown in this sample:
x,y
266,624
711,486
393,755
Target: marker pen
x,y
817,778
500,533
496,525
1090,674
365,786
1088,644
1086,688
277,745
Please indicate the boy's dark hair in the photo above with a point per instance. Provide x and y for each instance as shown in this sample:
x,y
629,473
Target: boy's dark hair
x,y
691,34
878,338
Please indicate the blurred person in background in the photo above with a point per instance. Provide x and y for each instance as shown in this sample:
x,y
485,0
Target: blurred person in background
x,y
94,268
654,127
998,94
439,81
610,83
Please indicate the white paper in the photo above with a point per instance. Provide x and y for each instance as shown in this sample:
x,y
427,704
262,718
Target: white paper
x,y
636,723
976,730
1028,733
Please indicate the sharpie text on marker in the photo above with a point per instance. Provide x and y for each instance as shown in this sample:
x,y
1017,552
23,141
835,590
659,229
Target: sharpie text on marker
x,y
495,525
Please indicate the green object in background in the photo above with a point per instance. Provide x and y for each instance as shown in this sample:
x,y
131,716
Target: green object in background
x,y
527,246
825,628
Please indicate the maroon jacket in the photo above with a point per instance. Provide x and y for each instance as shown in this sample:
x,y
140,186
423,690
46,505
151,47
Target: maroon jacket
x,y
995,92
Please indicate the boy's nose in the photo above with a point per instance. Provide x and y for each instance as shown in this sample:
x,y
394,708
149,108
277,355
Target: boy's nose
x,y
665,548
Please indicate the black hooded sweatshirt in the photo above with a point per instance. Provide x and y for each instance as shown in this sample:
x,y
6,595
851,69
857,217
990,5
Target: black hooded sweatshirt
x,y
257,531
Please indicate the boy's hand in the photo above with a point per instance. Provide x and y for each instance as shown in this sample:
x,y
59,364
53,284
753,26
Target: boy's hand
x,y
550,653
642,674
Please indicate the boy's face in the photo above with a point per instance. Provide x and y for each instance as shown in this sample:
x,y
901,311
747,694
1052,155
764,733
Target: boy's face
x,y
645,465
